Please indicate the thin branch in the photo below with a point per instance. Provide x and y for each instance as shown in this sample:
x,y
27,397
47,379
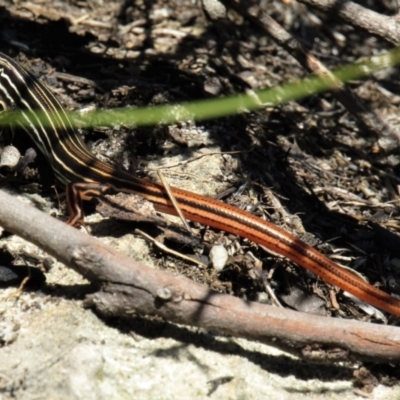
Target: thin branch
x,y
386,27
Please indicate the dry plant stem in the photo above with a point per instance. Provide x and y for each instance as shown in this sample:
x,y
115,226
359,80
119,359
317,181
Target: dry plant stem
x,y
366,117
171,196
128,287
166,249
377,24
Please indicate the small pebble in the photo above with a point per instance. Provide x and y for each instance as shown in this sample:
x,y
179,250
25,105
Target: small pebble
x,y
9,157
218,257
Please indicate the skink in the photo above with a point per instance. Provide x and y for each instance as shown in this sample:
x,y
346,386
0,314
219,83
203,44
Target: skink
x,y
87,177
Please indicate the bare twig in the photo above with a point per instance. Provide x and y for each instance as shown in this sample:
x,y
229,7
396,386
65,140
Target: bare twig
x,y
198,157
127,287
171,196
384,26
168,250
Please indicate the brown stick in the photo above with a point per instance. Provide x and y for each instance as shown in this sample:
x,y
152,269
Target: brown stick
x,y
128,287
384,26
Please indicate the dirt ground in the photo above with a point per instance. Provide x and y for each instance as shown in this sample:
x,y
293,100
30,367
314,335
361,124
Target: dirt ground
x,y
309,166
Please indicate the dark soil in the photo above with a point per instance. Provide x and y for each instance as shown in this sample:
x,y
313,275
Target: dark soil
x,y
307,166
